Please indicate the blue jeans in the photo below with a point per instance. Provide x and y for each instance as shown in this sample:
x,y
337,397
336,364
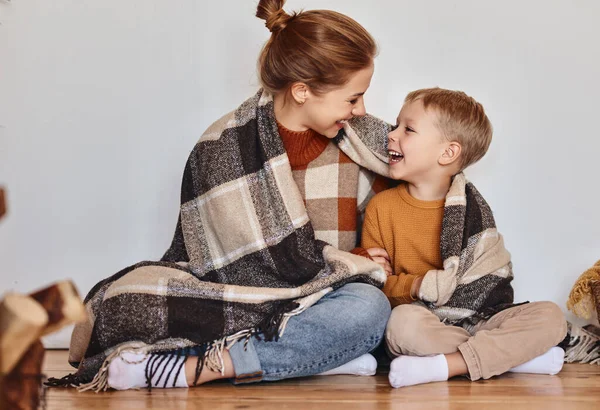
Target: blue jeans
x,y
340,327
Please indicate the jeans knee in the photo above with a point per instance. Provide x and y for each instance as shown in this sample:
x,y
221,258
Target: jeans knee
x,y
371,306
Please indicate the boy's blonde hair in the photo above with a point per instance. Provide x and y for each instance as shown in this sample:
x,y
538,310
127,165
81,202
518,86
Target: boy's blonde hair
x,y
460,119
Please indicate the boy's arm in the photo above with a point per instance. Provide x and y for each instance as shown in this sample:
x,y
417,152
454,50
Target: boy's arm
x,y
371,235
402,288
397,286
439,285
378,184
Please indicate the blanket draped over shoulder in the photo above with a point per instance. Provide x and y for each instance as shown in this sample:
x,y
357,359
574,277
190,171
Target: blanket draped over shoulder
x,y
475,281
243,258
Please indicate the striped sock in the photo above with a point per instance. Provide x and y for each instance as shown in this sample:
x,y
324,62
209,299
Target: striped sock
x,y
132,370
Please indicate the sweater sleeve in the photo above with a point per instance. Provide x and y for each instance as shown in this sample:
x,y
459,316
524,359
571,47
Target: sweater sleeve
x,y
397,288
371,235
361,252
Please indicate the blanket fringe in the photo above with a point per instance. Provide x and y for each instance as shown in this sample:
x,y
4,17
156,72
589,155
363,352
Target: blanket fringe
x,y
70,380
582,346
100,381
212,358
211,353
302,304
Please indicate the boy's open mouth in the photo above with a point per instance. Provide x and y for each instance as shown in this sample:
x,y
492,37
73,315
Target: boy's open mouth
x,y
395,156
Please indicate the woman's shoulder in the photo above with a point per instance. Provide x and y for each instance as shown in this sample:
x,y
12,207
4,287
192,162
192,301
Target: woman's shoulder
x,y
242,115
215,130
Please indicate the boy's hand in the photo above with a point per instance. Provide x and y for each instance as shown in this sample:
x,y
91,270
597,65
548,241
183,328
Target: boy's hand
x,y
416,287
381,257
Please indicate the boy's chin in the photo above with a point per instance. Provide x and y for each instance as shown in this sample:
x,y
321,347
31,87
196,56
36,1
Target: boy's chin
x,y
397,174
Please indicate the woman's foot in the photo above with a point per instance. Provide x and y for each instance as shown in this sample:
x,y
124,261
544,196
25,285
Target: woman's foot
x,y
128,371
365,365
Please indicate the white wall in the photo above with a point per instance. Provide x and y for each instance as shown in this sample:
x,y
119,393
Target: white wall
x,y
102,100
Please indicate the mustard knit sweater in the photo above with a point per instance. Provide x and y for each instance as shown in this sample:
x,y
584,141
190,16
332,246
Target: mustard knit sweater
x,y
409,230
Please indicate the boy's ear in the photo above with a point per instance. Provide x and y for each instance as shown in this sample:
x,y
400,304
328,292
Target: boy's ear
x,y
451,153
300,92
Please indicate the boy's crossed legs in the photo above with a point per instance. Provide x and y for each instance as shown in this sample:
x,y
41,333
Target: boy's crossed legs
x,y
517,339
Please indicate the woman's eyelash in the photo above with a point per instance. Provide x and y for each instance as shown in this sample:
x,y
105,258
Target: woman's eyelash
x,y
353,101
409,129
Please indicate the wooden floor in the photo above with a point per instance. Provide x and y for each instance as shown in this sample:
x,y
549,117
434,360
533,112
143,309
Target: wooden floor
x,y
577,387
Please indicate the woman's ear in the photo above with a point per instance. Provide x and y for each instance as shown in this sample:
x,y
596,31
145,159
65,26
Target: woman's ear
x,y
451,153
300,92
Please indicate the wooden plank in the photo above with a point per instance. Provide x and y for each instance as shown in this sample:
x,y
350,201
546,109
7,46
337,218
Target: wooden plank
x,y
576,387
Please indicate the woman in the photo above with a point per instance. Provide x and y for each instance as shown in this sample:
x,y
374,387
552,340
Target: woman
x,y
266,191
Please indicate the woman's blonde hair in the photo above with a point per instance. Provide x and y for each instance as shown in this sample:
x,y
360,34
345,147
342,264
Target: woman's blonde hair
x,y
460,119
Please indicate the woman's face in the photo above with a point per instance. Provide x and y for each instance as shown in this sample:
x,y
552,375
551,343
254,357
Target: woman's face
x,y
326,113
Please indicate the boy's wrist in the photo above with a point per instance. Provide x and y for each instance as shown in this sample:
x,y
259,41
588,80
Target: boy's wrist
x,y
416,286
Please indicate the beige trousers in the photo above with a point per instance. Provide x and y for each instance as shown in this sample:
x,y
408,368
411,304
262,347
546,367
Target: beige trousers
x,y
508,339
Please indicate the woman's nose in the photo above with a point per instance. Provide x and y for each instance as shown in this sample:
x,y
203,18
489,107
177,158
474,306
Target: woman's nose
x,y
359,109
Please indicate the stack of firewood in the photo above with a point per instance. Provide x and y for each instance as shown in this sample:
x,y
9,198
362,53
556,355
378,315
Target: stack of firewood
x,y
24,319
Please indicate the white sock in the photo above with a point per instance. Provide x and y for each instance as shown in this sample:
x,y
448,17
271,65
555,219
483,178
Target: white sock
x,y
365,365
411,370
550,362
128,371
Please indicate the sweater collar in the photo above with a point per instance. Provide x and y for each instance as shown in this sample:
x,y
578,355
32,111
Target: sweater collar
x,y
302,147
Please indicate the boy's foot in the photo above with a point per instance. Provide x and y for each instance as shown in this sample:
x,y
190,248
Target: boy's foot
x,y
550,362
410,370
365,365
128,371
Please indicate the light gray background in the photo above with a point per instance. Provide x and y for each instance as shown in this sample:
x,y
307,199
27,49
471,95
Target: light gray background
x,y
102,100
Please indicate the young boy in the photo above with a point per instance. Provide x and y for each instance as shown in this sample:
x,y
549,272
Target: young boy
x,y
450,286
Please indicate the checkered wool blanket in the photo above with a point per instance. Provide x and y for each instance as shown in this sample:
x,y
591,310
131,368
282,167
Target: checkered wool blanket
x,y
475,282
243,258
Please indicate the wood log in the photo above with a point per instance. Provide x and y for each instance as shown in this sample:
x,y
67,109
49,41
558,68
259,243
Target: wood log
x,y
21,388
62,303
22,321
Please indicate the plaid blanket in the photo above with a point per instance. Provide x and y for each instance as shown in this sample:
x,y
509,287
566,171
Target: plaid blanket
x,y
243,259
475,282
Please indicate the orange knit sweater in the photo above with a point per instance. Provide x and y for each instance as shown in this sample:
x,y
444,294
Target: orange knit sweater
x,y
304,148
409,230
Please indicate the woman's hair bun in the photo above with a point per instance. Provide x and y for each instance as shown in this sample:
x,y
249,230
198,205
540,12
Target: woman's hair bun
x,y
272,12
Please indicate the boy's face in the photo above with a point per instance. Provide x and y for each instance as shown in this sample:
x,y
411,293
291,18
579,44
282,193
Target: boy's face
x,y
416,145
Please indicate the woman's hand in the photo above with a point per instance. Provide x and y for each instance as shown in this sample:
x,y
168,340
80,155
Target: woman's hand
x,y
381,257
